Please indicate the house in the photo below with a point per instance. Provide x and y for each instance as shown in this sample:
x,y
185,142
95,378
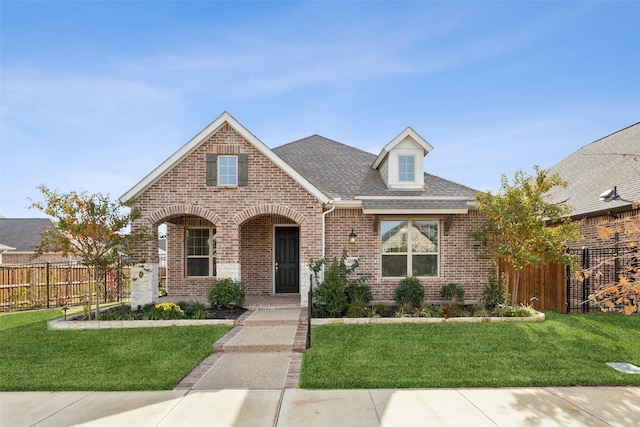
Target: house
x,y
235,208
603,182
19,238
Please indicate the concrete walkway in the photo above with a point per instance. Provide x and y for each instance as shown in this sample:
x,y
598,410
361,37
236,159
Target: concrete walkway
x,y
571,406
263,351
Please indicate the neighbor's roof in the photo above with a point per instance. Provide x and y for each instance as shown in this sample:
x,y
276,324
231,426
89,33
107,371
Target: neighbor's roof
x,y
344,172
23,234
598,167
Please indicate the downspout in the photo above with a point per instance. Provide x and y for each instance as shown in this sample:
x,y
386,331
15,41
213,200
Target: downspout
x,y
324,214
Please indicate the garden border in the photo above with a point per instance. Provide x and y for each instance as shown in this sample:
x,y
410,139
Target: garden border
x,y
121,324
538,317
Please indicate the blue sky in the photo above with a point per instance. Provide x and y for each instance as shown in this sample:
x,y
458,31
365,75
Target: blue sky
x,y
94,95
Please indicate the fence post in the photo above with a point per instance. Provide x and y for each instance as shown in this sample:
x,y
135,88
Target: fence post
x,y
309,311
585,283
48,270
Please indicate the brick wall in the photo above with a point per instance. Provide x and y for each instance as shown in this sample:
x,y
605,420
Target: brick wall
x,y
240,214
458,260
592,238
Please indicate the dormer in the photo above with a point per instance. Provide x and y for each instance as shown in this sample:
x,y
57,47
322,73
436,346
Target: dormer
x,y
401,161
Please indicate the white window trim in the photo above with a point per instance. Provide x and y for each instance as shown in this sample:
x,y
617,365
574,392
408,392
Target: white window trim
x,y
219,170
212,254
409,252
394,169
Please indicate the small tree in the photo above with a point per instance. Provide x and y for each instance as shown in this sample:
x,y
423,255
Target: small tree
x,y
89,227
522,228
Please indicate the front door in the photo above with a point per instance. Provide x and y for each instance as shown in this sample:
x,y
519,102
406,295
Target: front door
x,y
287,262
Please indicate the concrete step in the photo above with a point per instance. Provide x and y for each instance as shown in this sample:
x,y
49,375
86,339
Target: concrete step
x,y
273,317
256,339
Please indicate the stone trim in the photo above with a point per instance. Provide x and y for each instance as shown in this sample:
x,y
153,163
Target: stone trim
x,y
269,210
162,214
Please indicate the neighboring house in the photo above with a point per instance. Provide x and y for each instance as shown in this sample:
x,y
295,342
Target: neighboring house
x,y
235,208
22,236
603,180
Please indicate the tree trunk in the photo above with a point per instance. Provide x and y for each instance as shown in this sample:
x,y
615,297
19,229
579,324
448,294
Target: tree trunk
x,y
514,297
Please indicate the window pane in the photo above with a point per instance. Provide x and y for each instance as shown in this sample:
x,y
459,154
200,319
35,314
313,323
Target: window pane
x,y
394,265
406,168
424,236
197,242
424,265
394,236
197,266
228,170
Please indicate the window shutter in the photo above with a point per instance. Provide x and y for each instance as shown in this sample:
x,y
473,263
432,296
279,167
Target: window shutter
x,y
243,170
212,172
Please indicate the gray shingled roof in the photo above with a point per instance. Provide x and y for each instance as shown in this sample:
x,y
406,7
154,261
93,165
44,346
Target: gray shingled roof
x,y
598,167
339,170
23,234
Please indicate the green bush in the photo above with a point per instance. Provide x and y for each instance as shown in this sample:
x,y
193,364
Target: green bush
x,y
330,295
120,312
452,291
359,292
224,292
191,307
164,311
410,291
358,309
495,292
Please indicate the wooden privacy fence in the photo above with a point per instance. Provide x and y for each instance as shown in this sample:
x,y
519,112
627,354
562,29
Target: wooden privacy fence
x,y
547,283
25,287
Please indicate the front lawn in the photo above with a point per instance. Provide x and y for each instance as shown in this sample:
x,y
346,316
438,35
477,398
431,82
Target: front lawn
x,y
32,357
564,350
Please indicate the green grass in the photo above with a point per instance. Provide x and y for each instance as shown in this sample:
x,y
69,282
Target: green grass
x,y
33,357
564,350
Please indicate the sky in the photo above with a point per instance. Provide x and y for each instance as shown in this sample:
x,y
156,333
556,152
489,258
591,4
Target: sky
x,y
95,94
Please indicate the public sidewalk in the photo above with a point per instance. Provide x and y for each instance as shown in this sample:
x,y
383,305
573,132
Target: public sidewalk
x,y
553,406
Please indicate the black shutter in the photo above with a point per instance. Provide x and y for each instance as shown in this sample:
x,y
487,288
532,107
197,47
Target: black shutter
x,y
212,169
243,170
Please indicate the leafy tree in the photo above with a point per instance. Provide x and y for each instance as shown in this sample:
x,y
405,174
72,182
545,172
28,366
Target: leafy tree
x,y
91,228
522,228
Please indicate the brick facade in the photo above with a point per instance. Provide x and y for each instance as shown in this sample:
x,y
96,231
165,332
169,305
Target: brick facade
x,y
458,258
592,238
245,219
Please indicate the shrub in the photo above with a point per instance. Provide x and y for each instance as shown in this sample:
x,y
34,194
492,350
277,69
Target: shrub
x,y
452,291
495,292
425,310
406,309
120,312
410,291
330,296
226,293
359,309
164,311
359,292
191,307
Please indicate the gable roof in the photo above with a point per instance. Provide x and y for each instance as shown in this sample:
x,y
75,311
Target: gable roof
x,y
199,139
598,167
345,173
23,234
408,132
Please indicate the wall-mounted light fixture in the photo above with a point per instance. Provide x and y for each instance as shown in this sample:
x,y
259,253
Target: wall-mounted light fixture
x,y
352,236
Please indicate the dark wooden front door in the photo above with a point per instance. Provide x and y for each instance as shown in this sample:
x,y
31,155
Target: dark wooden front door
x,y
287,261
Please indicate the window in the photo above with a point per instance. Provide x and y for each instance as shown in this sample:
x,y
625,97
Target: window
x,y
409,248
201,251
406,168
227,170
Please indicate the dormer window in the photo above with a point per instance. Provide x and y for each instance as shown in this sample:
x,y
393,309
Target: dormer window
x,y
401,161
406,168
